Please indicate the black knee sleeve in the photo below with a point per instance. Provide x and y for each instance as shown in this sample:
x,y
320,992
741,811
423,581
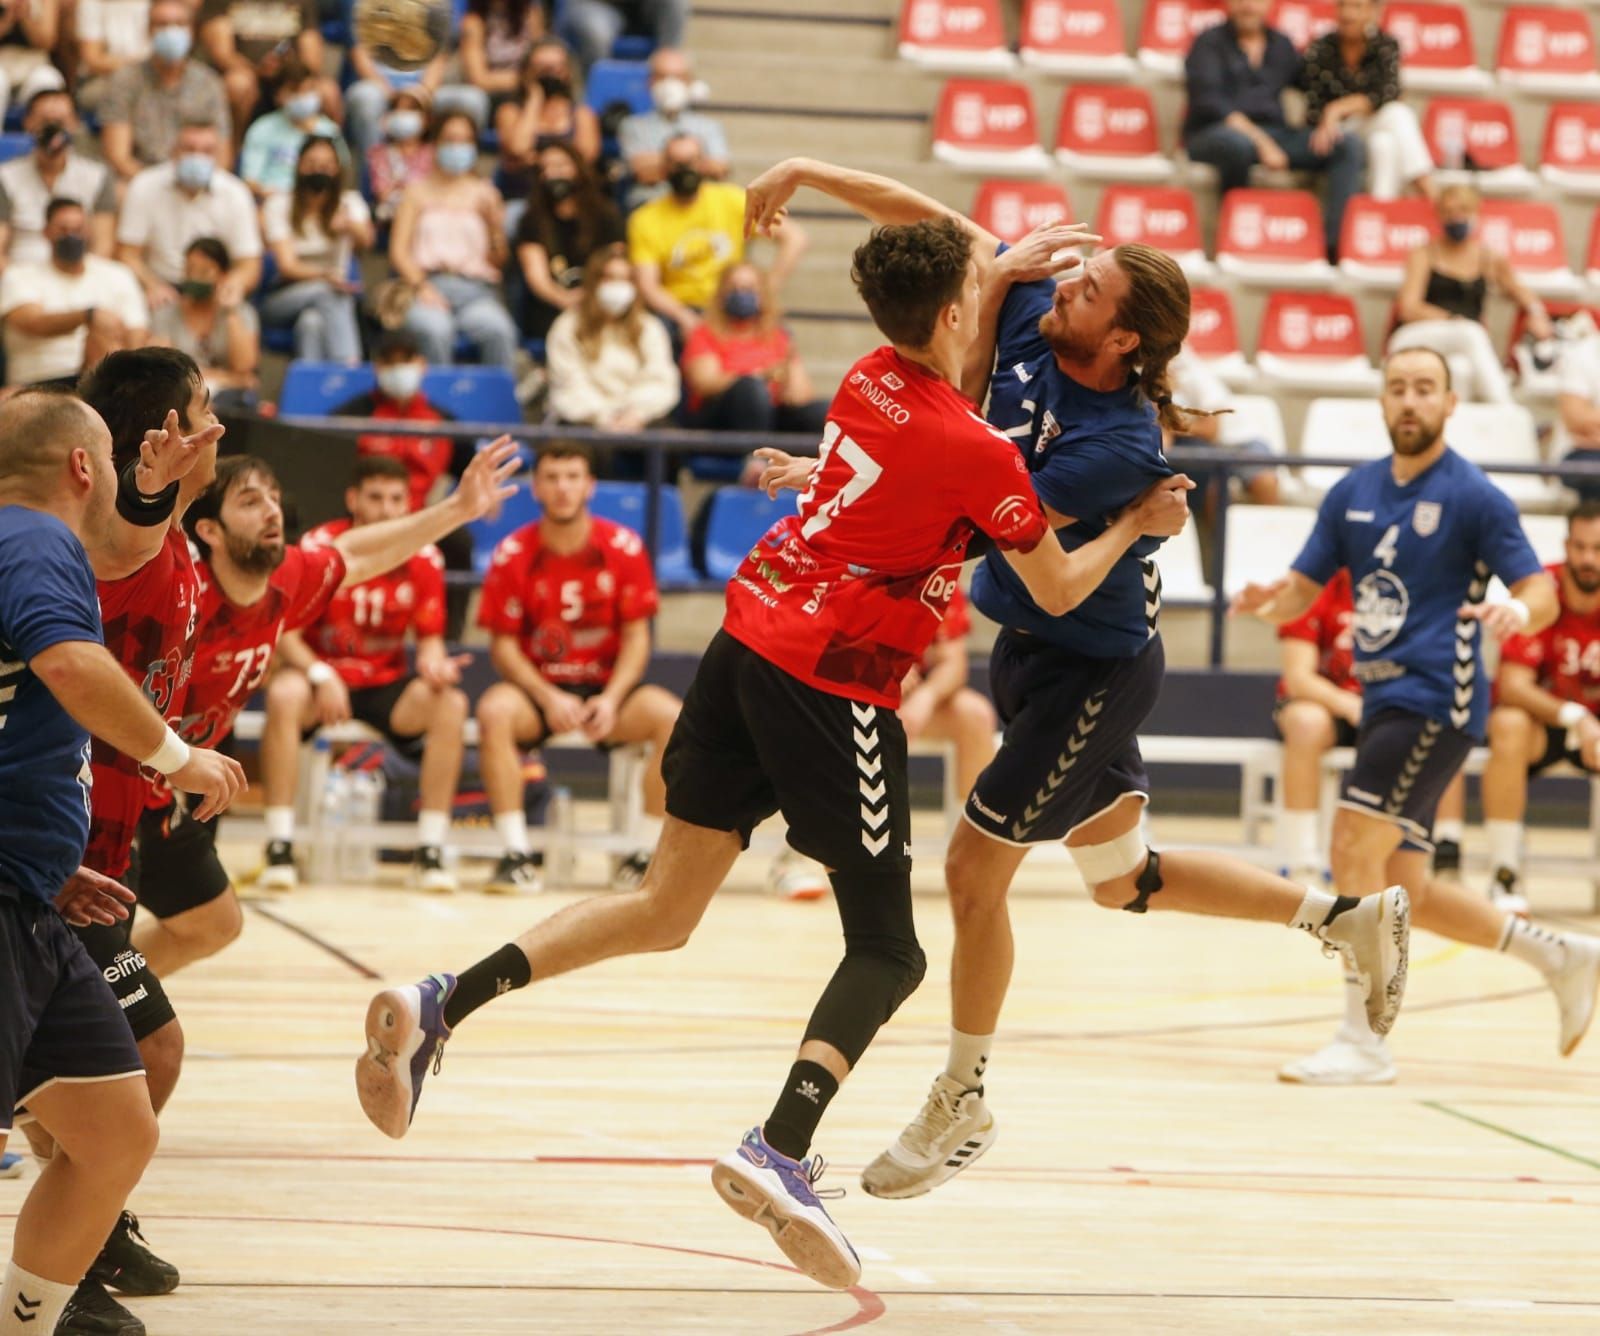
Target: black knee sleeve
x,y
1148,884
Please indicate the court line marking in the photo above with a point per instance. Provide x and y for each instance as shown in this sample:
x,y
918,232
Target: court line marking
x,y
305,934
1509,1132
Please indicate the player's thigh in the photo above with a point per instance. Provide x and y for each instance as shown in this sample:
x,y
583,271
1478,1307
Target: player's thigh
x,y
1404,763
419,705
94,1120
504,708
978,871
963,715
1306,723
289,692
647,713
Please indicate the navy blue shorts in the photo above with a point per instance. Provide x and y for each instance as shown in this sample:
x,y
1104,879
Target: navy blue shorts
x,y
59,1020
1404,763
1070,748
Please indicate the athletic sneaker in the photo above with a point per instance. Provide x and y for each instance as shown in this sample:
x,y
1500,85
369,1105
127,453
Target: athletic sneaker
x,y
1447,860
10,1165
1506,893
406,1035
1574,985
1343,1062
780,1193
796,877
954,1128
93,1312
279,874
515,874
628,875
127,1264
1374,940
430,873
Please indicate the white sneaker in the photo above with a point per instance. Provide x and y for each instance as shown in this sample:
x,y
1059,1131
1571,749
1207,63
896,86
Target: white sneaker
x,y
1343,1063
1574,985
279,874
1374,940
429,873
953,1129
796,877
1506,893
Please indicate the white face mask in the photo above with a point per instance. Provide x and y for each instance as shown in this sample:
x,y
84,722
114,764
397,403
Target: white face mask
x,y
400,381
615,296
671,95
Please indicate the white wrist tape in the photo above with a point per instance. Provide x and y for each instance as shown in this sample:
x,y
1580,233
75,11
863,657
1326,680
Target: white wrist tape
x,y
319,673
1521,609
1570,715
172,754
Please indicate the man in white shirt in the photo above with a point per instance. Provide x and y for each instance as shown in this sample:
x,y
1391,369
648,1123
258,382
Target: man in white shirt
x,y
71,310
53,170
643,138
173,203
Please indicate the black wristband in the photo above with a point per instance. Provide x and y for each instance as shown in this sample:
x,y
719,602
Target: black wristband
x,y
139,509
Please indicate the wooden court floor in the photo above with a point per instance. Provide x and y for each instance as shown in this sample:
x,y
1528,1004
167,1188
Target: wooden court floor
x,y
1150,1176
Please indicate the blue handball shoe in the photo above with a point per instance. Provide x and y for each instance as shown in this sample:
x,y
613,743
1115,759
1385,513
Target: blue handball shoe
x,y
406,1035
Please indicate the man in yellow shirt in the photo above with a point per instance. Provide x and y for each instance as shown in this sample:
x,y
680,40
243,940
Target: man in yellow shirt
x,y
682,241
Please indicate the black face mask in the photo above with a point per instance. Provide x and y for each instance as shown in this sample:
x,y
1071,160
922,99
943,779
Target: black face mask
x,y
562,188
70,249
684,180
196,289
53,137
553,85
320,182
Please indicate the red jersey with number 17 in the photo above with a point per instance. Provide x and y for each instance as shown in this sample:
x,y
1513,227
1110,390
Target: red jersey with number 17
x,y
1566,654
847,594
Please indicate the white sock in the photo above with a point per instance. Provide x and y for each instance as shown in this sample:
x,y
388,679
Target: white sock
x,y
513,828
30,1305
280,823
1546,951
969,1058
1354,1028
1313,911
1505,844
1297,839
433,828
1448,832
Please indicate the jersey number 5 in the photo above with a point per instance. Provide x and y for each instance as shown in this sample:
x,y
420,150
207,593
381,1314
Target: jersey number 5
x,y
864,471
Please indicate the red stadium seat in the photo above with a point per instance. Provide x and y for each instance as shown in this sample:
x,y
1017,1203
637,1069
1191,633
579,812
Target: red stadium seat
x,y
1080,38
987,125
954,34
1570,158
1436,52
1214,335
1169,27
1160,216
1302,21
1312,340
1377,235
1273,236
1110,131
1547,49
1475,140
1529,234
1012,209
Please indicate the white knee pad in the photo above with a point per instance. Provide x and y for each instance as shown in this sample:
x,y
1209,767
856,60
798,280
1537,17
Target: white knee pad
x,y
1100,863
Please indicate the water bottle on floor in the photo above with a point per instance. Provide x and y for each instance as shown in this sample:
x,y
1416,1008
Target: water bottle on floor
x,y
358,857
324,867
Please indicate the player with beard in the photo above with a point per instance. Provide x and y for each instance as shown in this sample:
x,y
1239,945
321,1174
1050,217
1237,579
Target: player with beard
x,y
1080,385
253,586
1421,532
1547,690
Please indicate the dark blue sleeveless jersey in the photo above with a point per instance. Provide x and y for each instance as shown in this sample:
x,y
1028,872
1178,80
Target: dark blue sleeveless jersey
x,y
1416,553
47,596
1090,454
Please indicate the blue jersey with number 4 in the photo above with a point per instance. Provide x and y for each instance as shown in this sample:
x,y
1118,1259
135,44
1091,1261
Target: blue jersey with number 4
x,y
1417,552
47,597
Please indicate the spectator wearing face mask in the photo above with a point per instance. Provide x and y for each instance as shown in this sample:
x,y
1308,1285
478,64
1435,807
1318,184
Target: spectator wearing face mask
x,y
176,202
643,137
550,112
315,233
404,155
272,144
568,218
248,43
493,46
215,327
448,244
591,27
146,104
380,76
65,313
610,362
54,168
109,34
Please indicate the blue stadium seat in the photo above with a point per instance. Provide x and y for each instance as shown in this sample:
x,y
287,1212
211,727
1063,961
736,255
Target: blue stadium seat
x,y
738,518
486,533
632,46
611,81
315,389
624,503
15,145
474,393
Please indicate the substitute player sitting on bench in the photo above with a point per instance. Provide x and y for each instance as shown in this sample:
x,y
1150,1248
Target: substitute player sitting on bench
x,y
351,663
567,601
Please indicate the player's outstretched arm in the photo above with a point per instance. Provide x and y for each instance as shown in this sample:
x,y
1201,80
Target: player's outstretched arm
x,y
371,549
879,199
1281,601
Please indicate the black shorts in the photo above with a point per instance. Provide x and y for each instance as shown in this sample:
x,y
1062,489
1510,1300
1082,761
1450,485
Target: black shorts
x,y
1070,748
58,1020
1344,732
1404,763
175,865
374,706
1556,751
583,691
752,740
139,993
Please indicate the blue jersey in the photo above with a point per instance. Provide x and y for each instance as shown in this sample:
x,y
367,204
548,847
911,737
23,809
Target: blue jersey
x,y
47,596
1090,454
1416,553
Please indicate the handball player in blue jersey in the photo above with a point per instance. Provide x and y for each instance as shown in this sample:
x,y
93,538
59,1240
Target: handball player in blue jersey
x,y
1080,385
1421,531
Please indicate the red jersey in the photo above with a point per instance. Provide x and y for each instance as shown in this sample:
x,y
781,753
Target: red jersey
x,y
426,457
236,642
150,620
1327,625
567,610
361,632
751,355
1566,654
847,594
956,625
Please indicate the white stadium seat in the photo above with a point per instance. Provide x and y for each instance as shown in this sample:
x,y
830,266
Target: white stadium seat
x,y
1183,576
1262,541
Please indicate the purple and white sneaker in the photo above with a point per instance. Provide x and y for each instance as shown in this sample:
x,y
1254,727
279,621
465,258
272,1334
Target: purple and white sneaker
x,y
780,1193
406,1035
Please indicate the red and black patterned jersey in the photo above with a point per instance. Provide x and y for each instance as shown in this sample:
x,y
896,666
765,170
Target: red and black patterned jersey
x,y
847,594
1566,654
567,610
362,632
1327,624
150,620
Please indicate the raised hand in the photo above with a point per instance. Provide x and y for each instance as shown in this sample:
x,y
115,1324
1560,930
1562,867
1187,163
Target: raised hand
x,y
166,454
783,472
766,196
1050,249
1256,600
486,482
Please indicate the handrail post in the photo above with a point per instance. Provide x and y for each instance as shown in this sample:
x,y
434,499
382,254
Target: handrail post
x,y
1219,561
655,472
